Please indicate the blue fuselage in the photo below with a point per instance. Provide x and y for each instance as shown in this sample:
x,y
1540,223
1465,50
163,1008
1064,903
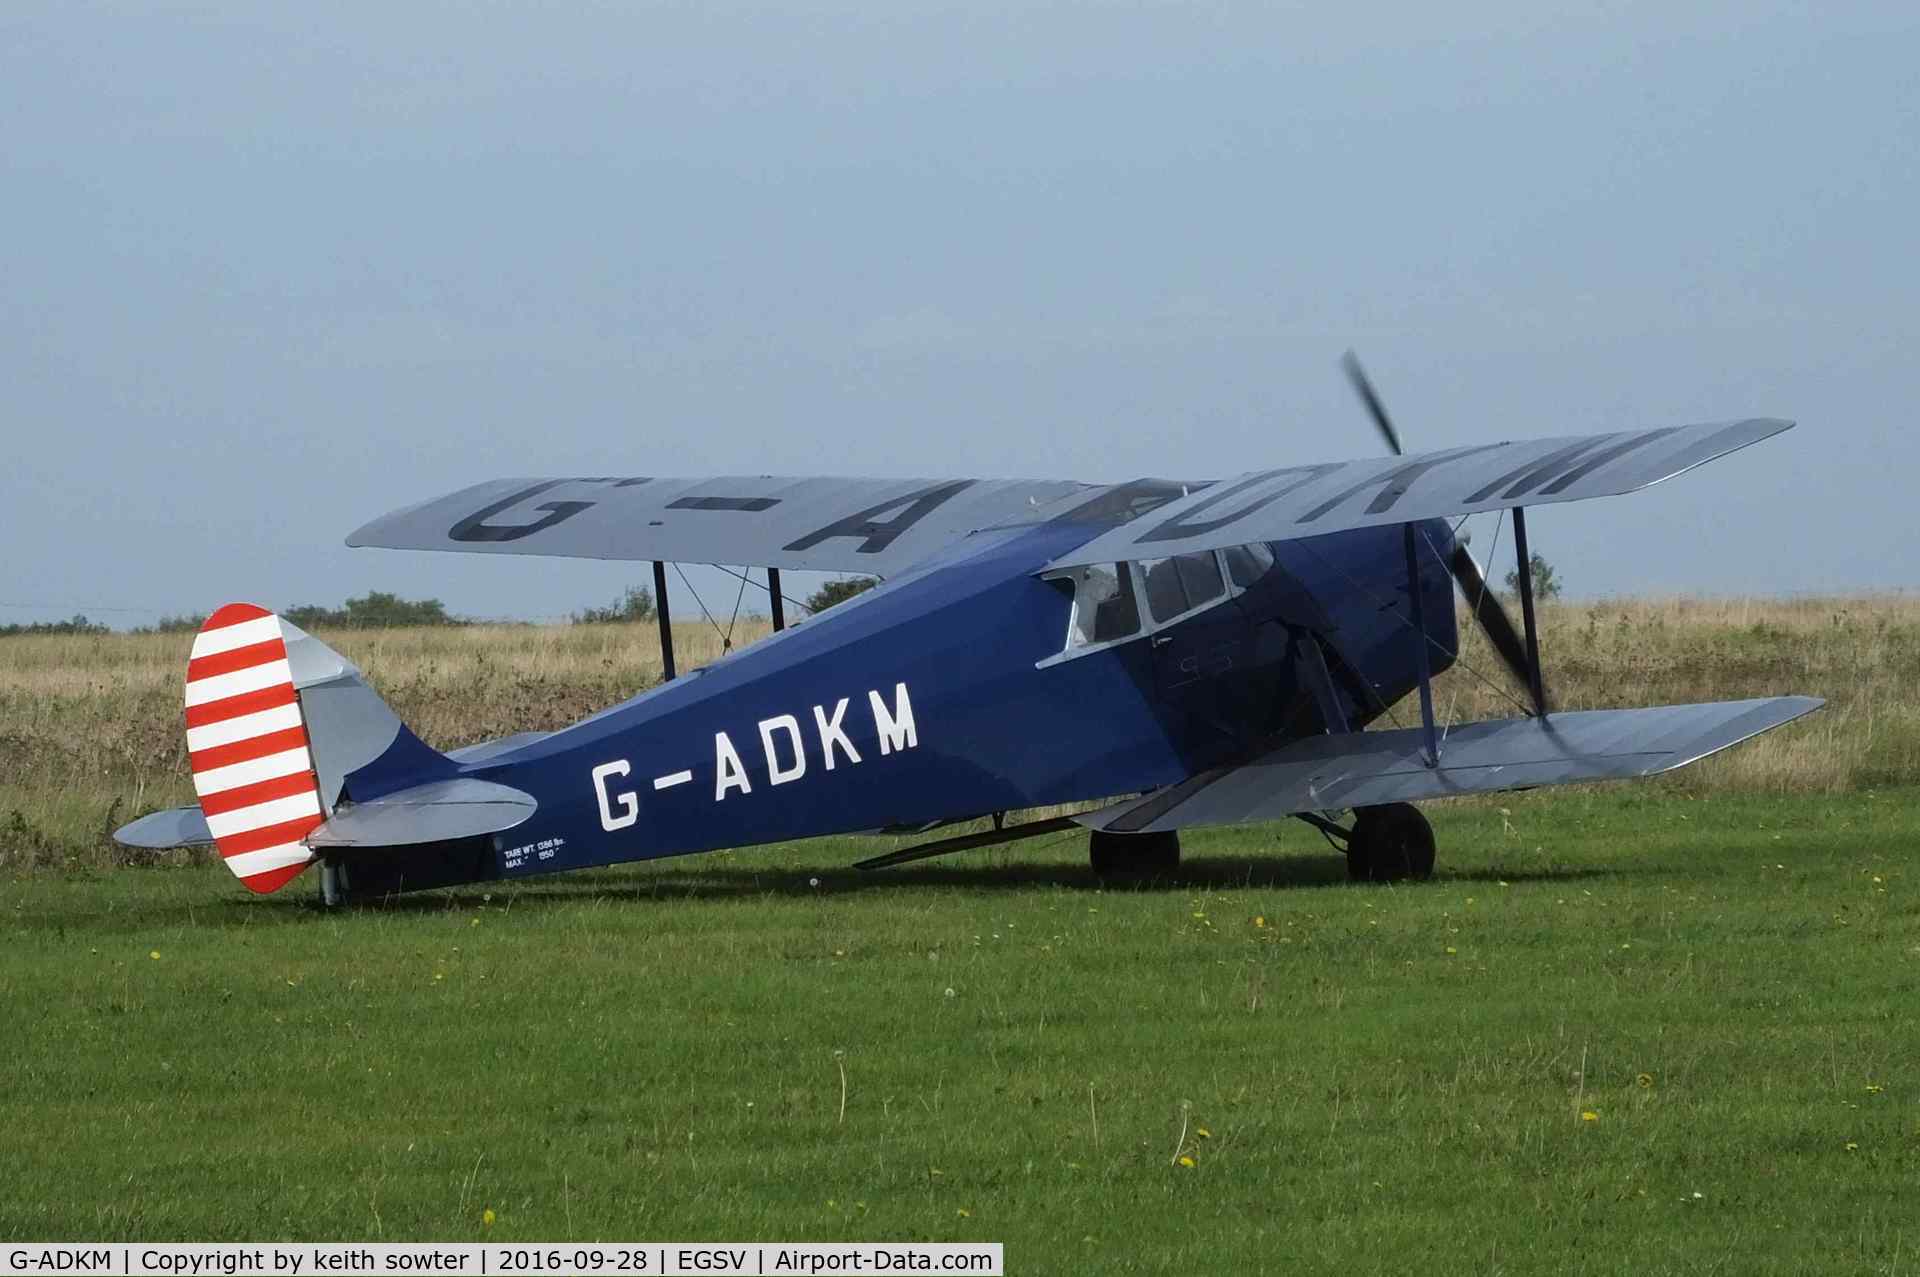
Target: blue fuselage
x,y
927,700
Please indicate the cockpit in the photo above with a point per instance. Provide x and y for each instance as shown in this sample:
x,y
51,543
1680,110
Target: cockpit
x,y
1114,602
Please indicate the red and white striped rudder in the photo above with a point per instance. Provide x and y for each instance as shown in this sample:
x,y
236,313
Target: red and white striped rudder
x,y
247,743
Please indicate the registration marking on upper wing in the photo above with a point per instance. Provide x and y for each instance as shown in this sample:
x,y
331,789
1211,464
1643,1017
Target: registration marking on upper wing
x,y
872,526
1308,500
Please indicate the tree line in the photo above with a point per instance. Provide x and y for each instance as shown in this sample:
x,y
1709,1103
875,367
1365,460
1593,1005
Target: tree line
x,y
377,609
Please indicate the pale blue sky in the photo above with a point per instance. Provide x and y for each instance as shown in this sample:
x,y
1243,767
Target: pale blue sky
x,y
270,271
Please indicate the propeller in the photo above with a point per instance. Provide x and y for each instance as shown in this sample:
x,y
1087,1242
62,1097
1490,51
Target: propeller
x,y
1487,609
1364,388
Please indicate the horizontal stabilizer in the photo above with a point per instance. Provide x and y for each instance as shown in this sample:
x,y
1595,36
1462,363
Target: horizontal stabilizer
x,y
439,812
1366,769
160,830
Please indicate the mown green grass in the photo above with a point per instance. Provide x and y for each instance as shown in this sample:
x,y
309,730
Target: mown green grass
x,y
1376,1079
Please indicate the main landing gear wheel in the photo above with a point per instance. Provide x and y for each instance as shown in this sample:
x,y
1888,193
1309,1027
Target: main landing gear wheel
x,y
1134,855
1390,843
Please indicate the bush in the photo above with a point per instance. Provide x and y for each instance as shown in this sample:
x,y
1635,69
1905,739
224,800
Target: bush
x,y
184,623
1545,584
634,605
838,592
374,610
72,625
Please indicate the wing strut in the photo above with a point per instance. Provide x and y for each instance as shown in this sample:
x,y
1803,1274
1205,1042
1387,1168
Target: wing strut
x,y
779,604
966,842
1525,574
666,621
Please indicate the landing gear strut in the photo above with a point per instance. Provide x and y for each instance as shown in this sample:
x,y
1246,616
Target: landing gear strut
x,y
1389,843
1134,855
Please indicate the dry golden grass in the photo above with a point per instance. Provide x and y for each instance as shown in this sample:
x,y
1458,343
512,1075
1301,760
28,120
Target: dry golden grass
x,y
1861,653
90,728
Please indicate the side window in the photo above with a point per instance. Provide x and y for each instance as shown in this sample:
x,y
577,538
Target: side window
x,y
1200,574
1166,597
1104,608
1246,564
1181,583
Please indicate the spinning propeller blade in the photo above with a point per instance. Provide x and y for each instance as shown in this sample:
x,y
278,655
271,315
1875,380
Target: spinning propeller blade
x,y
1488,610
1482,601
1364,388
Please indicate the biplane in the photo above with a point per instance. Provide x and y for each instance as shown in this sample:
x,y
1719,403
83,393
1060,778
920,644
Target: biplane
x,y
1160,653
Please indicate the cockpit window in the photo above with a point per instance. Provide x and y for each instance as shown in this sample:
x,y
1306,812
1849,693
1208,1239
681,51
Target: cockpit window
x,y
1246,564
1181,583
1200,573
1104,608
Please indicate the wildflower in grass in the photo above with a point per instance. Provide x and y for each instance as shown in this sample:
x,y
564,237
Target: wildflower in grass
x,y
1645,1080
1873,1089
1203,1132
964,1213
1852,1147
1588,1115
1259,920
487,1217
950,992
1451,951
155,955
1186,1161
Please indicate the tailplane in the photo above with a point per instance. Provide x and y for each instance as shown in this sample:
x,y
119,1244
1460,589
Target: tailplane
x,y
277,723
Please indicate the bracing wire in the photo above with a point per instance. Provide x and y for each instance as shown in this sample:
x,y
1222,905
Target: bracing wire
x,y
1485,585
702,602
726,641
741,576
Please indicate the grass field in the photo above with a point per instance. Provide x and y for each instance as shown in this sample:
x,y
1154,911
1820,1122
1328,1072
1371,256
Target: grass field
x,y
1365,1079
1718,968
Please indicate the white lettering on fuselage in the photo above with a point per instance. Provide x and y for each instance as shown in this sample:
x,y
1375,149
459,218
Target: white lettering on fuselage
x,y
831,735
629,805
896,728
783,748
791,726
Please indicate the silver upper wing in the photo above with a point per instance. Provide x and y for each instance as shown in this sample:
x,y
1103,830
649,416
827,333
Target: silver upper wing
x,y
876,526
1302,501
